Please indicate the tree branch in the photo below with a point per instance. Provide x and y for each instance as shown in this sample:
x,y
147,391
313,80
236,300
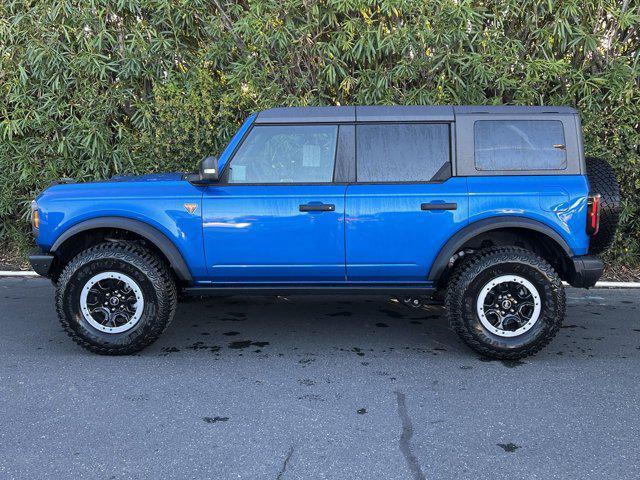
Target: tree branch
x,y
226,21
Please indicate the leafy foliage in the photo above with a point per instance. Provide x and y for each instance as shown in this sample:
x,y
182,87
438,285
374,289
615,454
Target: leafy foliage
x,y
95,87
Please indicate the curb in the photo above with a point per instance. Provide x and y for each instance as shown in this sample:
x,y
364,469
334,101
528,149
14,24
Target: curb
x,y
618,284
32,274
18,273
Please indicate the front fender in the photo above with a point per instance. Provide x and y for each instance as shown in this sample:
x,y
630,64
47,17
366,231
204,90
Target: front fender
x,y
144,206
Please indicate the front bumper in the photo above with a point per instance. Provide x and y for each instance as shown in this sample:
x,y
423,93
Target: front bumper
x,y
587,270
41,262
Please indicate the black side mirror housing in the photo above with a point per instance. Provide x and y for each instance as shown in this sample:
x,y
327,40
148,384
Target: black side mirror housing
x,y
207,172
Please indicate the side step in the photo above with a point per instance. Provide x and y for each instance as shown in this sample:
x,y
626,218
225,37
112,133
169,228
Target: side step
x,y
316,289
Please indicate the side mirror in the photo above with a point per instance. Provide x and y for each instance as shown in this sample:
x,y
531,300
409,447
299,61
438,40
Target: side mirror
x,y
209,169
207,172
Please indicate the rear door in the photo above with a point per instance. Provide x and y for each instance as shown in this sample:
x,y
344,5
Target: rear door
x,y
277,215
405,204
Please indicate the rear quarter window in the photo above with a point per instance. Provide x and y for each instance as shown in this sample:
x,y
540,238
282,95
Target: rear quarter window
x,y
516,145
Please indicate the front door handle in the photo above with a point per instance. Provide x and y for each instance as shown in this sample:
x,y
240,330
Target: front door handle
x,y
318,207
439,206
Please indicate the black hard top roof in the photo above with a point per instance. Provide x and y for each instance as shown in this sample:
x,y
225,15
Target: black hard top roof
x,y
399,113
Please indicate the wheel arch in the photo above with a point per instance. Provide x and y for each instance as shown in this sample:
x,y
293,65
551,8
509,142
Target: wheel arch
x,y
495,225
140,229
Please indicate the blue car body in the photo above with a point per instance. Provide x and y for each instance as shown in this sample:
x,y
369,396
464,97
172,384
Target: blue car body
x,y
377,233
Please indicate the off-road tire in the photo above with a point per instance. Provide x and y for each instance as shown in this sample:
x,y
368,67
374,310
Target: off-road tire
x,y
602,180
469,278
151,274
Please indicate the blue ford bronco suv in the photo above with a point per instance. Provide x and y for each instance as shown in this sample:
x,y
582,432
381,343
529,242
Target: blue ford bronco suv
x,y
484,209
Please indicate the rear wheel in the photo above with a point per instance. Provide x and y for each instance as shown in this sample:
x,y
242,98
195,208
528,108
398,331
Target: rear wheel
x,y
115,298
505,302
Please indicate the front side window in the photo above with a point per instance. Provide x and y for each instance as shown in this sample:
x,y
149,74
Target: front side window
x,y
401,152
285,154
519,145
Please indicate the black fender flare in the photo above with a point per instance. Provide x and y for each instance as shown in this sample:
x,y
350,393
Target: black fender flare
x,y
151,234
462,236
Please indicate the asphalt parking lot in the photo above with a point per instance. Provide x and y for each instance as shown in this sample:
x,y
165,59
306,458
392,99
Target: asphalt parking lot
x,y
318,387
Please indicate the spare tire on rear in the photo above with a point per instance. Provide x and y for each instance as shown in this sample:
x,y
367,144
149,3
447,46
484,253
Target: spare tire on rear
x,y
602,180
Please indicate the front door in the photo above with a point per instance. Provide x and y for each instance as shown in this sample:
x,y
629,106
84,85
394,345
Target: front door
x,y
405,205
277,216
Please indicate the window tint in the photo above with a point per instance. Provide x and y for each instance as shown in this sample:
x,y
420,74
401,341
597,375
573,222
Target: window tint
x,y
285,154
401,152
519,145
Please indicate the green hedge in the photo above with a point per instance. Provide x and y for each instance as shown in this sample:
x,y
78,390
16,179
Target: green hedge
x,y
90,88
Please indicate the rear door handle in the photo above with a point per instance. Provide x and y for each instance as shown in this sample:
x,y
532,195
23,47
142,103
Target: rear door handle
x,y
321,207
439,206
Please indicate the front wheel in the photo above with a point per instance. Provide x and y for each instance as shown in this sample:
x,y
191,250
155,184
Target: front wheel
x,y
505,302
115,298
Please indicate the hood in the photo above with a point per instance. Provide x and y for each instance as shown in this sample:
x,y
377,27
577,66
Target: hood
x,y
64,184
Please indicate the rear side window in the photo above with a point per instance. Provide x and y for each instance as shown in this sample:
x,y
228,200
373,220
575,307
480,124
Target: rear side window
x,y
396,152
519,145
285,154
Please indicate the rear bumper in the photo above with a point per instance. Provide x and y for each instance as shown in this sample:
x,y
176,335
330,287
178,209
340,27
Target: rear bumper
x,y
41,262
587,270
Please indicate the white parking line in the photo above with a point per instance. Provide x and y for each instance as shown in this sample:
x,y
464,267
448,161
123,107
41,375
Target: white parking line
x,y
31,273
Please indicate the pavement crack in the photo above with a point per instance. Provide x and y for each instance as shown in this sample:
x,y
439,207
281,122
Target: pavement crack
x,y
283,469
405,438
